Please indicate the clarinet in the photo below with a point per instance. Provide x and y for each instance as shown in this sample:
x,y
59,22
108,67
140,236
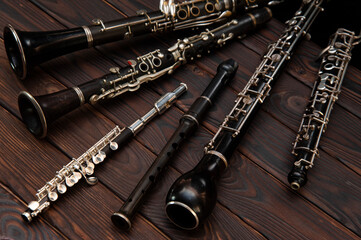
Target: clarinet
x,y
335,59
28,49
38,112
188,124
193,195
84,166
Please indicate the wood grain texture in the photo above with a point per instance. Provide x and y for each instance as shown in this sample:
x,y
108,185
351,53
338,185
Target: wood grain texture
x,y
254,199
13,227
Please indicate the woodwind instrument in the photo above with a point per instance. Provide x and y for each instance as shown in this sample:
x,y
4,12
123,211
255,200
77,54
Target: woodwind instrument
x,y
335,59
28,49
187,126
193,195
38,112
84,166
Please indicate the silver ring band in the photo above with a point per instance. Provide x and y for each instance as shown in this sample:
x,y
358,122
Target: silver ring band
x,y
191,117
80,95
220,155
208,99
89,36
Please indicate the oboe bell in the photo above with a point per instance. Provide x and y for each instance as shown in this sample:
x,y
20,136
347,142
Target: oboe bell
x,y
28,49
40,111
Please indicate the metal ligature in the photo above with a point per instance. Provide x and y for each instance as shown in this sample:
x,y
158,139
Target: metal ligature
x,y
38,112
335,59
28,49
84,166
188,124
193,195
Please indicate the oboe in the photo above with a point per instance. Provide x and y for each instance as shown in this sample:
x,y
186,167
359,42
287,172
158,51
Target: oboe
x,y
188,123
84,166
38,112
335,59
28,49
193,195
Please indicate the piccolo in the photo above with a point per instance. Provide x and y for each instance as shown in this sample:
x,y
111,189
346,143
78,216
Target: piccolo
x,y
193,195
335,60
188,124
28,49
84,166
38,112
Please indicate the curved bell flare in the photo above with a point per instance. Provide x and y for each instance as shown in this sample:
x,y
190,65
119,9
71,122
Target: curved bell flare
x,y
191,199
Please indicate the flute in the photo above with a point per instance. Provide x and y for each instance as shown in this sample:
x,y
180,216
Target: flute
x,y
188,124
84,166
335,60
38,112
28,49
193,195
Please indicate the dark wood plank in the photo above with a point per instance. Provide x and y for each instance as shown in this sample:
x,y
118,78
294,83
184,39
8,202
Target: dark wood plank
x,y
13,227
68,215
287,103
91,63
75,132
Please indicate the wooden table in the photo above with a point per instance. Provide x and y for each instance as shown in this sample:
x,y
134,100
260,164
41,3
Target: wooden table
x,y
254,198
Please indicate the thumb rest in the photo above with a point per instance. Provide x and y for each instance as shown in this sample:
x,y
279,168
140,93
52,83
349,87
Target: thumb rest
x,y
335,60
28,49
38,112
83,167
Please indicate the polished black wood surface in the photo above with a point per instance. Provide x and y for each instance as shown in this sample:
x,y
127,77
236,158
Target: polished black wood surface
x,y
254,198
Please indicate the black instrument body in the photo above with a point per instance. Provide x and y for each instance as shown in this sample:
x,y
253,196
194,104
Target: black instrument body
x,y
335,60
28,49
187,125
193,195
38,112
84,166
